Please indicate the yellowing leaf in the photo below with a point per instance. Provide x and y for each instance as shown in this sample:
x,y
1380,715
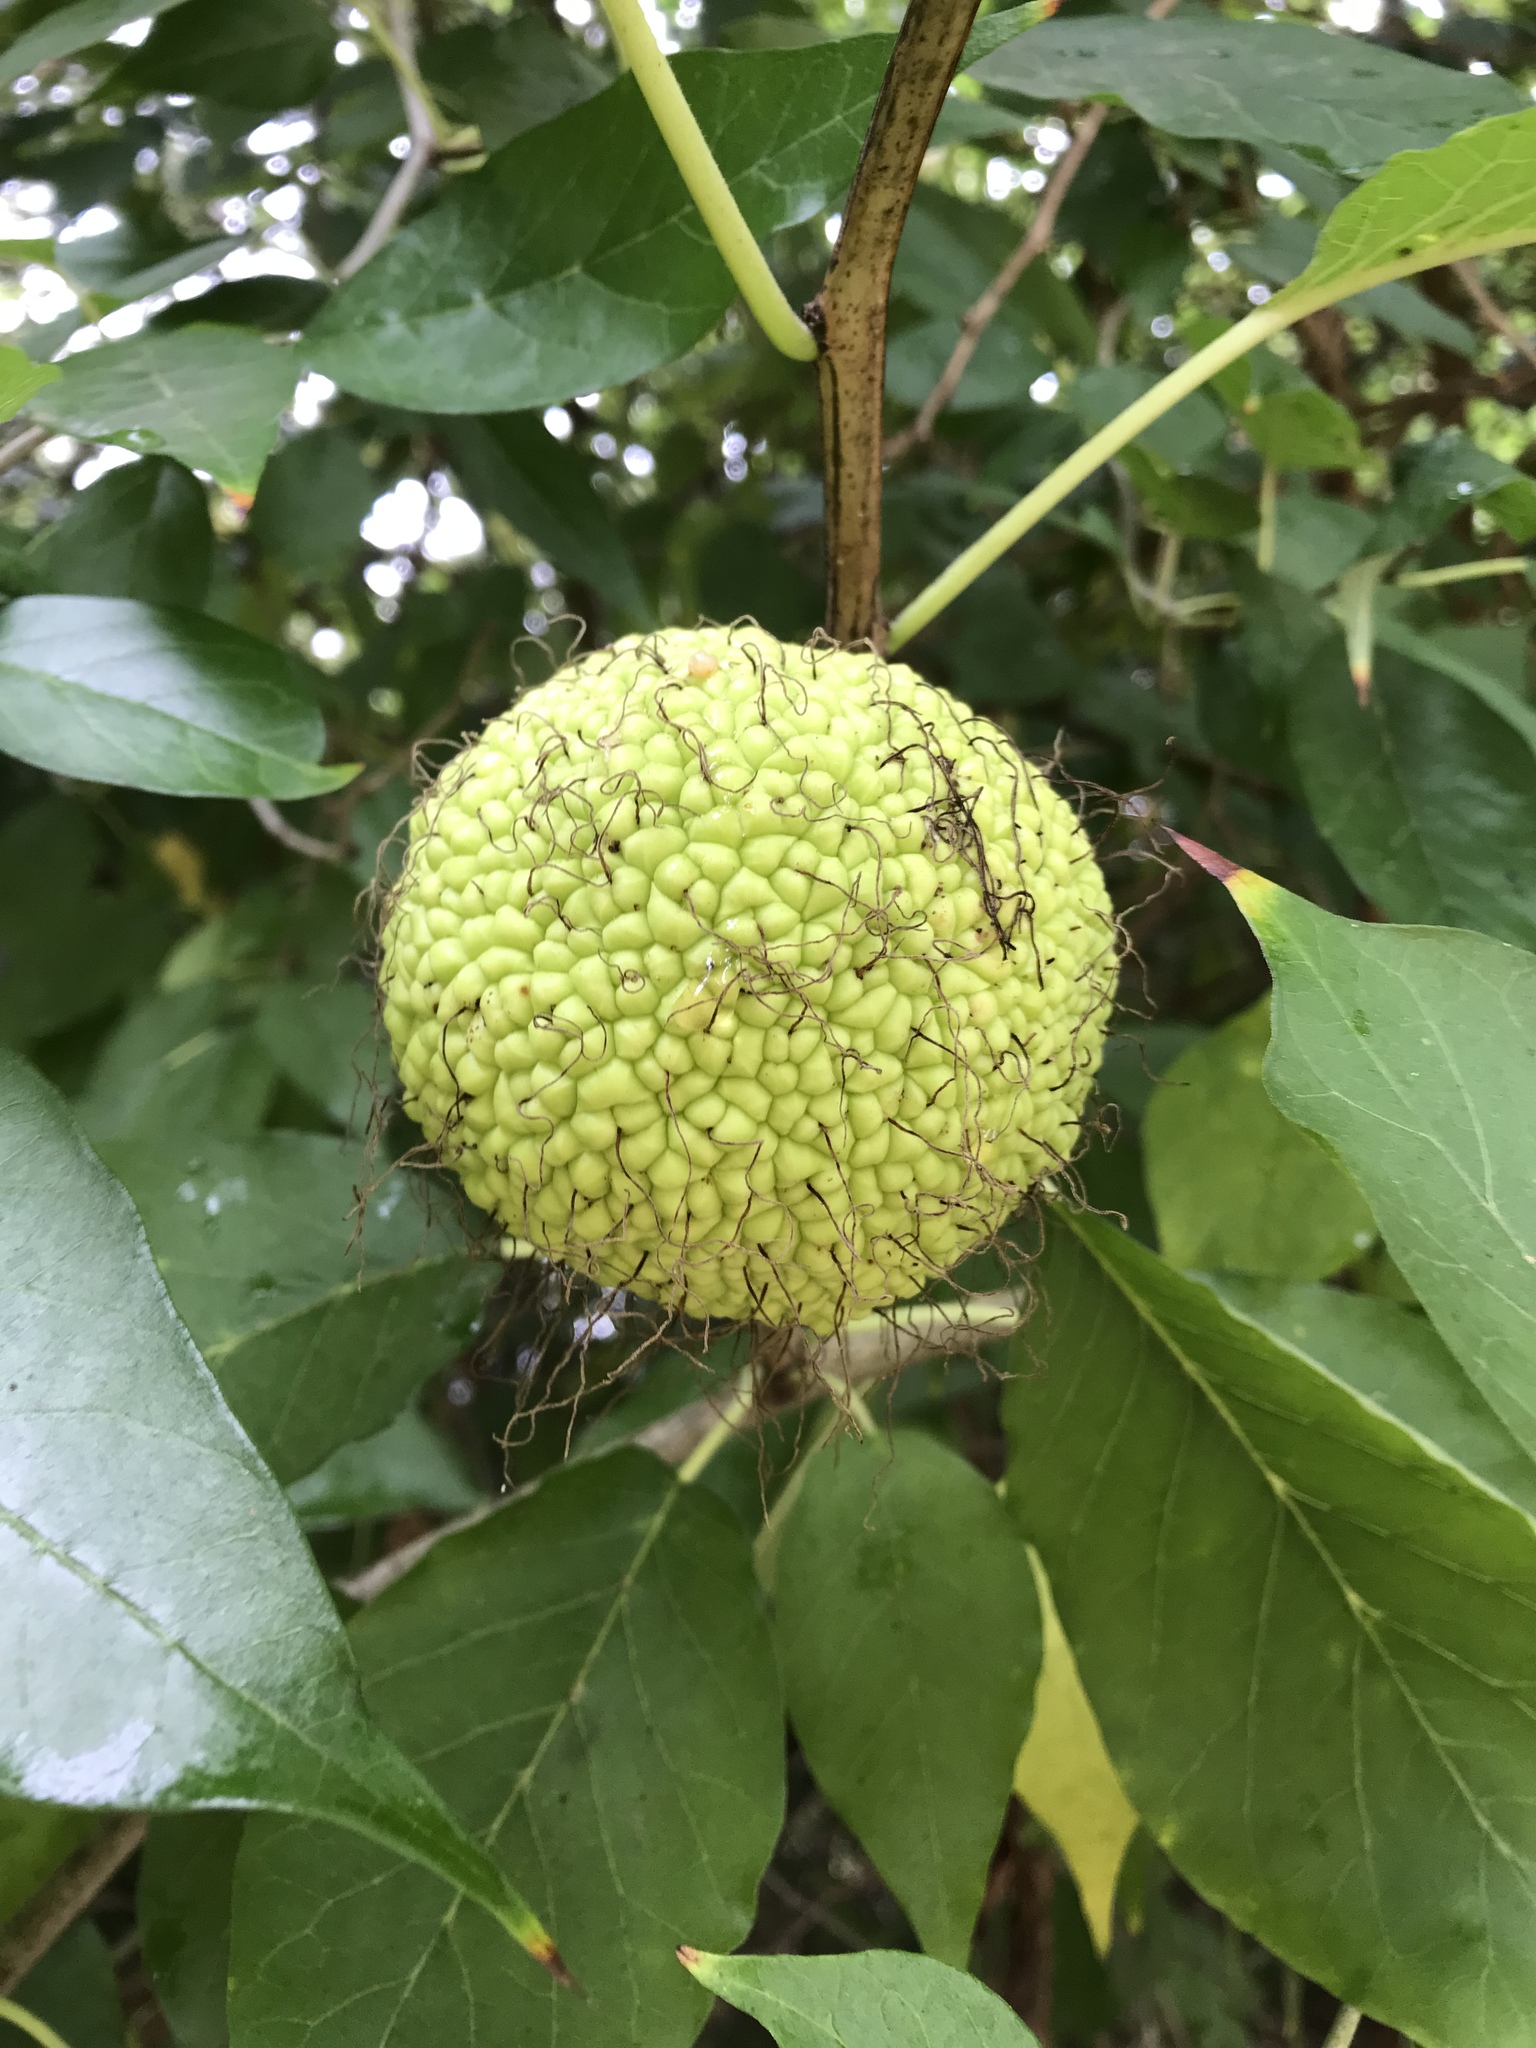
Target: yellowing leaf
x,y
1064,1776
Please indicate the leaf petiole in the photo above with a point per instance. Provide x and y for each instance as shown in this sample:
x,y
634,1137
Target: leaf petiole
x,y
29,2023
706,183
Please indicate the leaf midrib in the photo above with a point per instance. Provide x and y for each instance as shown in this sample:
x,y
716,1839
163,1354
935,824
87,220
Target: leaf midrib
x,y
521,1784
1358,1609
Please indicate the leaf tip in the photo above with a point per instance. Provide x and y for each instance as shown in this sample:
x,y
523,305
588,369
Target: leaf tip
x,y
543,1950
688,1957
1247,889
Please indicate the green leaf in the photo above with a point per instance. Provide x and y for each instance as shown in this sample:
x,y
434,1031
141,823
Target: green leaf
x,y
1303,429
1412,1053
139,531
1189,434
177,1062
881,1999
264,54
208,395
109,690
511,465
1432,482
1392,1358
21,379
34,1841
72,1989
70,946
1317,538
1454,652
542,274
186,1876
909,1638
1065,1778
1235,1186
1474,193
325,1041
1425,795
407,1467
508,77
1301,1628
317,1332
168,1640
1005,364
75,27
314,494
1350,103
587,1679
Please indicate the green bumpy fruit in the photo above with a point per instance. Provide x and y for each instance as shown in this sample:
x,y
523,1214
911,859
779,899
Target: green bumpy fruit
x,y
762,980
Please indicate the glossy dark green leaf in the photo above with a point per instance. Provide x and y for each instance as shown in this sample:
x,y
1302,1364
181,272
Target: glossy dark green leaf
x,y
1234,1185
1391,1356
587,1679
208,395
71,1988
318,1332
409,1466
70,944
186,1875
541,275
1424,793
882,1999
511,465
263,54
1317,538
180,1061
168,1641
1488,660
63,30
327,1043
140,531
109,690
1301,1628
314,494
509,76
1412,1053
1351,103
909,1637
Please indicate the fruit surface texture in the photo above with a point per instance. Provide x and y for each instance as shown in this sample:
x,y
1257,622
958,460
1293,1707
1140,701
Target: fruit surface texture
x,y
762,980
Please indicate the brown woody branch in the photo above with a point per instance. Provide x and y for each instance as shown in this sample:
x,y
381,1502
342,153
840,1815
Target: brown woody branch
x,y
848,314
54,1910
1491,311
985,310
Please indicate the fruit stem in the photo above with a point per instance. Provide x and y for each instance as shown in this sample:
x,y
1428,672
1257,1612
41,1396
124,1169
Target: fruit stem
x,y
1342,2032
706,184
738,1407
1269,504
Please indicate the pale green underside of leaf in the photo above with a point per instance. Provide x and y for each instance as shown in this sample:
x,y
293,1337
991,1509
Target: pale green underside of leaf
x,y
71,28
1305,1631
1477,191
879,1999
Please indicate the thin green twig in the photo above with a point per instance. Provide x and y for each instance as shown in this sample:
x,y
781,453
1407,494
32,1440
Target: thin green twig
x,y
1342,2032
1461,572
735,1412
706,184
1281,312
29,2023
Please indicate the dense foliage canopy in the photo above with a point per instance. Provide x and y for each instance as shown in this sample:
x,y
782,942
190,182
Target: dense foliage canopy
x,y
393,1628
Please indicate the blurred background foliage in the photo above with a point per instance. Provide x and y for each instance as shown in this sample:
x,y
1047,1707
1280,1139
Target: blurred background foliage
x,y
194,973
